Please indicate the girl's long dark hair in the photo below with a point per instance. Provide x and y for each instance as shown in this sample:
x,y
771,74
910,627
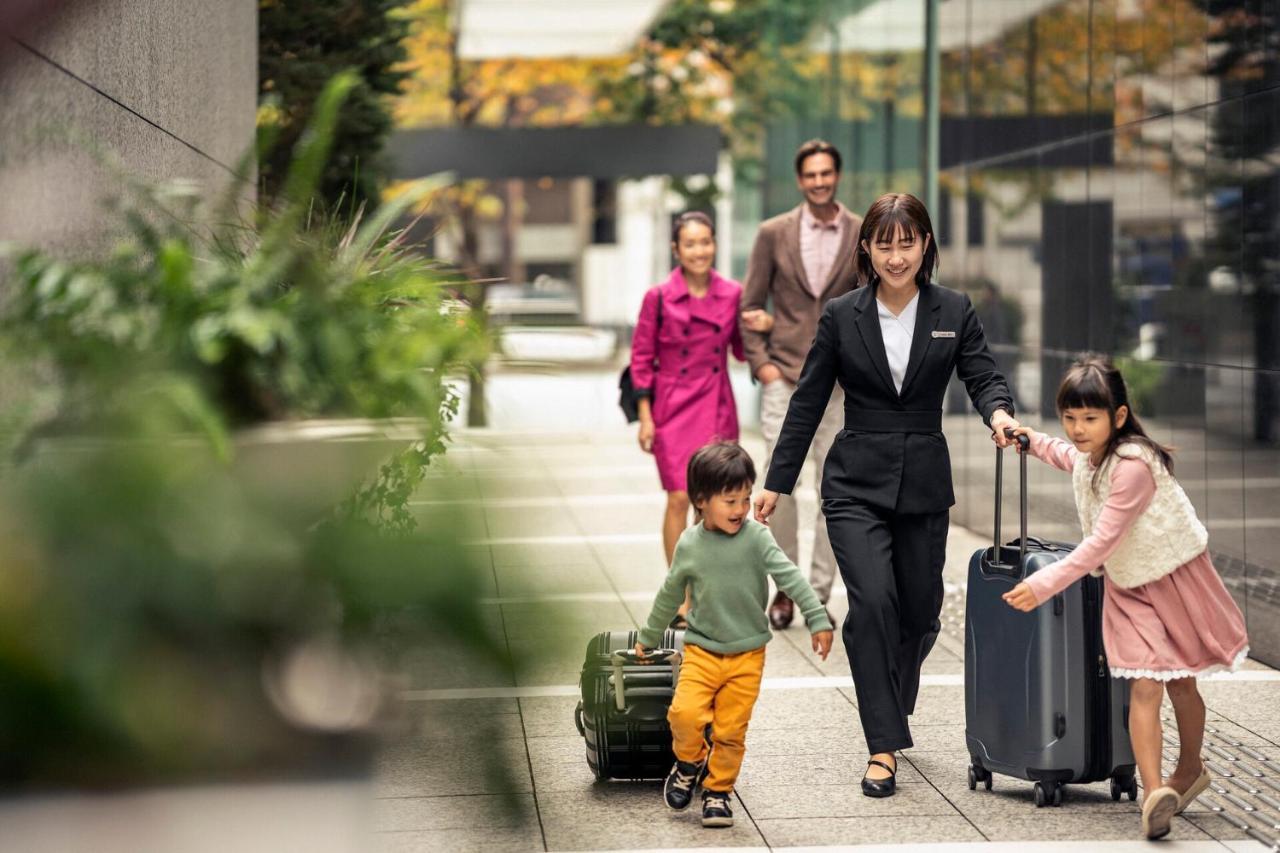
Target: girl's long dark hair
x,y
1093,382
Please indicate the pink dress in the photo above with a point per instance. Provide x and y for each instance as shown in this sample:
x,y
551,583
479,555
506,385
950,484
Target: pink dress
x,y
691,399
1183,624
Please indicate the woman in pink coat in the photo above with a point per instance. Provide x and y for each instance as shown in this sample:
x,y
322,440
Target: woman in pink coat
x,y
679,364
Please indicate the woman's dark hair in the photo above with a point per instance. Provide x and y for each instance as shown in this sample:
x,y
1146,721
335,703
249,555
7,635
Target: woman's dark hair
x,y
817,146
883,219
719,467
686,218
1093,382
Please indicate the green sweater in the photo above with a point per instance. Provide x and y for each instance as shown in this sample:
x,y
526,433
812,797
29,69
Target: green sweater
x,y
728,576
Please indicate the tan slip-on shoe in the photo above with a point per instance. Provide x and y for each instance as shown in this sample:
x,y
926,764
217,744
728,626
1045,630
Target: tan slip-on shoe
x,y
1196,789
1157,812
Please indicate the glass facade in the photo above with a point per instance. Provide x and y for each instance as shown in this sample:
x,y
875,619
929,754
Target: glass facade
x,y
1109,180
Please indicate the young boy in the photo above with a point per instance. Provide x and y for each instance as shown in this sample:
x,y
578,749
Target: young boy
x,y
726,560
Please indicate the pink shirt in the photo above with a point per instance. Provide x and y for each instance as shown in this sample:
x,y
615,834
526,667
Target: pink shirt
x,y
819,243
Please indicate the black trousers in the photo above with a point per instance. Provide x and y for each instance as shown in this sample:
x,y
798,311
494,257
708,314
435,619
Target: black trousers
x,y
892,567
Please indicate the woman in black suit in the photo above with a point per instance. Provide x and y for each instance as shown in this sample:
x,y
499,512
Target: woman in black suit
x,y
886,485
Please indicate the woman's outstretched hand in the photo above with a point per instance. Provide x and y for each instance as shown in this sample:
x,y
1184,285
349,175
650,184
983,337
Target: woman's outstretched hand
x,y
1021,598
765,505
1001,421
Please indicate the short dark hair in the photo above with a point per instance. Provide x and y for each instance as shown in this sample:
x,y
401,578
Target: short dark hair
x,y
817,146
718,467
678,224
885,216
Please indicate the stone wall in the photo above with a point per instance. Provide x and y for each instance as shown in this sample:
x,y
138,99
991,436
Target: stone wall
x,y
155,90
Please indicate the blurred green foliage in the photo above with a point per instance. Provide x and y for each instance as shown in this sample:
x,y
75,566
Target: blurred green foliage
x,y
167,610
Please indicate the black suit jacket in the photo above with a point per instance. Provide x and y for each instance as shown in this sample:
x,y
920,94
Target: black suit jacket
x,y
892,453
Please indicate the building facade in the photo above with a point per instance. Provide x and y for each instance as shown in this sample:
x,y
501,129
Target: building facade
x,y
1104,175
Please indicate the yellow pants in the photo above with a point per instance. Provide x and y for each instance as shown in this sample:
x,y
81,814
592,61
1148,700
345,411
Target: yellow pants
x,y
720,690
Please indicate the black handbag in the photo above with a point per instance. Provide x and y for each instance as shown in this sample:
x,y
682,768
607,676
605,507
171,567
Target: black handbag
x,y
628,400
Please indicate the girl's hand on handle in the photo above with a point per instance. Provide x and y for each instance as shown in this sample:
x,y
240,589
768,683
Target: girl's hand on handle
x,y
1001,421
646,434
822,643
765,505
1021,598
1022,430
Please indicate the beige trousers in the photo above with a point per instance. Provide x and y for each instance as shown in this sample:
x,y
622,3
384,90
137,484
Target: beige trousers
x,y
775,397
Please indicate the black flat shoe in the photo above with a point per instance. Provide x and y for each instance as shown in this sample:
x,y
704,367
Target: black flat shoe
x,y
880,787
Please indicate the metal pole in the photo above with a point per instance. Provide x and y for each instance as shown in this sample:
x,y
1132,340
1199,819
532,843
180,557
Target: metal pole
x,y
932,106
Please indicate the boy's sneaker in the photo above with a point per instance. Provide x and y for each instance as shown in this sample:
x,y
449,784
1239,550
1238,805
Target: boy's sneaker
x,y
681,781
715,809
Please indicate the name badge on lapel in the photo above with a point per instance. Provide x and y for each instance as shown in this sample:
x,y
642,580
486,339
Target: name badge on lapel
x,y
938,334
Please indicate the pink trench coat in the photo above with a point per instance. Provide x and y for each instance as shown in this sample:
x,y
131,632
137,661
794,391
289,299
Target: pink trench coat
x,y
691,399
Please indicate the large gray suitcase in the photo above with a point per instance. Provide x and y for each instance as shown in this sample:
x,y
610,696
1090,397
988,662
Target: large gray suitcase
x,y
1039,700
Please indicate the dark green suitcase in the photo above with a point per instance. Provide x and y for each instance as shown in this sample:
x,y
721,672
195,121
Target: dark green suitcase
x,y
623,710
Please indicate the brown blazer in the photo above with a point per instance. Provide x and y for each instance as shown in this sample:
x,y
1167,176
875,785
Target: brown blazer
x,y
775,272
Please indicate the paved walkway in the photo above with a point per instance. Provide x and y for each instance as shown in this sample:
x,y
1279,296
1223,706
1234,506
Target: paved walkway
x,y
570,547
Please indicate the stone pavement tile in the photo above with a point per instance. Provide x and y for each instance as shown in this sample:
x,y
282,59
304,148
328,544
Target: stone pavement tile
x,y
459,719
622,558
542,670
552,579
1229,733
548,716
931,740
488,811
475,840
639,516
1063,824
939,706
798,709
505,522
815,832
545,554
413,770
783,659
768,801
813,768
629,817
506,485
568,624
843,739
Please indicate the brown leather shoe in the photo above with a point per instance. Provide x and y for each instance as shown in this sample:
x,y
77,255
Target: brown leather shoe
x,y
781,611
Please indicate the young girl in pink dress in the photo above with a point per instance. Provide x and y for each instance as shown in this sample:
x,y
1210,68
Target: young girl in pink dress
x,y
1167,618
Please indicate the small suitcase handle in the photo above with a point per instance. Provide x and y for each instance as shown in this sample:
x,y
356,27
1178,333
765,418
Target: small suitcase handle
x,y
994,563
621,658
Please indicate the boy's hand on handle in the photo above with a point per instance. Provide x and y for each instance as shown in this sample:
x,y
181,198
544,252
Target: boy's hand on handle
x,y
1001,421
646,434
765,505
822,643
642,653
1021,598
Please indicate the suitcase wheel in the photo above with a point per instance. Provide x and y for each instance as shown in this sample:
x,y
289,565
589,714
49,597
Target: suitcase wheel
x,y
1124,785
1048,793
979,774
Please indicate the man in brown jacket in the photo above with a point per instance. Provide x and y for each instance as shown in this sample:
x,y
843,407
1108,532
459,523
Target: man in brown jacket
x,y
800,259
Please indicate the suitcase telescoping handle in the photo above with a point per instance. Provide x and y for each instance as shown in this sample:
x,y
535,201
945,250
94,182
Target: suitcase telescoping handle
x,y
996,562
623,657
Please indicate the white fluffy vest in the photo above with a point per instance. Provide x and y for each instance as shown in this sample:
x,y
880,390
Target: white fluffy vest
x,y
1166,535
